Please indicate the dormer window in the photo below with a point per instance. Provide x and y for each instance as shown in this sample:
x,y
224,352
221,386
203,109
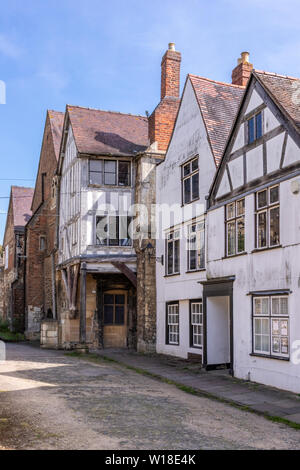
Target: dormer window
x,y
109,172
254,125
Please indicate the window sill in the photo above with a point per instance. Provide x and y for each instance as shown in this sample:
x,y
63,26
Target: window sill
x,y
257,250
195,270
266,356
110,186
234,256
191,202
172,275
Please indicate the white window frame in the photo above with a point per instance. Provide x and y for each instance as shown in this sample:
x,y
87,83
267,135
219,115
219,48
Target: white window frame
x,y
196,325
189,176
271,317
172,324
200,227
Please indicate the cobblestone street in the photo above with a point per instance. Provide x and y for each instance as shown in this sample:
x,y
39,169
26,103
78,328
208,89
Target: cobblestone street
x,y
53,401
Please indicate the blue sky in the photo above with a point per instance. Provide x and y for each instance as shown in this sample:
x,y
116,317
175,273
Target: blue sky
x,y
107,55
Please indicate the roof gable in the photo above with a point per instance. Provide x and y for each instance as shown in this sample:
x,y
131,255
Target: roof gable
x,y
246,165
56,119
219,103
98,132
21,205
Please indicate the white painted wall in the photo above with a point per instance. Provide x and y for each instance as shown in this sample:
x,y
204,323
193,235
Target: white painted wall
x,y
267,270
189,140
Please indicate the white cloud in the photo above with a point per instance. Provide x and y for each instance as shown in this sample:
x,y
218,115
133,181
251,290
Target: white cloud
x,y
9,48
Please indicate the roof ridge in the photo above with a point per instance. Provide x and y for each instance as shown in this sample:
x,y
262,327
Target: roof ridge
x,y
54,111
106,111
274,74
21,187
216,81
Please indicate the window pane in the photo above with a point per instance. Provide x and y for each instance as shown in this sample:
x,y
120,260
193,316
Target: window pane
x,y
240,236
261,306
96,165
108,299
230,210
95,178
201,248
265,344
262,199
120,299
124,235
119,314
274,226
170,257
108,314
262,229
101,230
124,172
113,231
176,256
110,172
186,169
251,131
195,186
231,238
257,343
187,190
195,164
284,346
240,207
258,119
192,259
274,194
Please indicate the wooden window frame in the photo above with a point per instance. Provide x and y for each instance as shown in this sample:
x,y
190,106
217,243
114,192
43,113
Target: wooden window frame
x,y
234,220
102,172
192,345
107,244
189,176
254,117
170,304
280,317
198,250
169,241
267,209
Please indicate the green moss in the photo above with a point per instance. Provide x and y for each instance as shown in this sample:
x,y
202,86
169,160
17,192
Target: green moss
x,y
11,337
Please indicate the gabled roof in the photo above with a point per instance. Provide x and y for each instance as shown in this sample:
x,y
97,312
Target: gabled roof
x,y
284,90
56,119
98,132
219,103
21,199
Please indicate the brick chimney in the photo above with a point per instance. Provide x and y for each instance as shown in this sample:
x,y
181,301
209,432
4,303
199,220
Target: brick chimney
x,y
161,121
241,73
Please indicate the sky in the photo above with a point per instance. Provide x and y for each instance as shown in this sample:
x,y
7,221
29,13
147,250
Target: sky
x,y
107,55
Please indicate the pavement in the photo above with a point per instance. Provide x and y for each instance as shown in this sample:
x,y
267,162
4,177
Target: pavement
x,y
215,384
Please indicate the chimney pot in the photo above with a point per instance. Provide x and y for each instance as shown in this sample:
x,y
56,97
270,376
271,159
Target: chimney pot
x,y
172,46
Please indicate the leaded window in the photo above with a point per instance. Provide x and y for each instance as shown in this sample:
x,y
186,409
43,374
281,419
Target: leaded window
x,y
235,227
271,326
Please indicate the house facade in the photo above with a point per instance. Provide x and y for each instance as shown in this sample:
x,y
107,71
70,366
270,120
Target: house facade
x,y
252,282
19,212
40,287
203,123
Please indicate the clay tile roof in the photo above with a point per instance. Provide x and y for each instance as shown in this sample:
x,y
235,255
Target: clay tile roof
x,y
285,91
56,122
21,204
219,103
98,132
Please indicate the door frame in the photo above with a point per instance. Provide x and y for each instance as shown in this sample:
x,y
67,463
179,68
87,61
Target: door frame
x,y
218,287
116,291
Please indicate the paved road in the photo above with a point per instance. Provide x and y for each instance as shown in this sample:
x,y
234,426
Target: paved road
x,y
52,401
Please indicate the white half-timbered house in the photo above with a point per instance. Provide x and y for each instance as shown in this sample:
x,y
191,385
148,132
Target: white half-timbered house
x,y
97,260
203,123
251,294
